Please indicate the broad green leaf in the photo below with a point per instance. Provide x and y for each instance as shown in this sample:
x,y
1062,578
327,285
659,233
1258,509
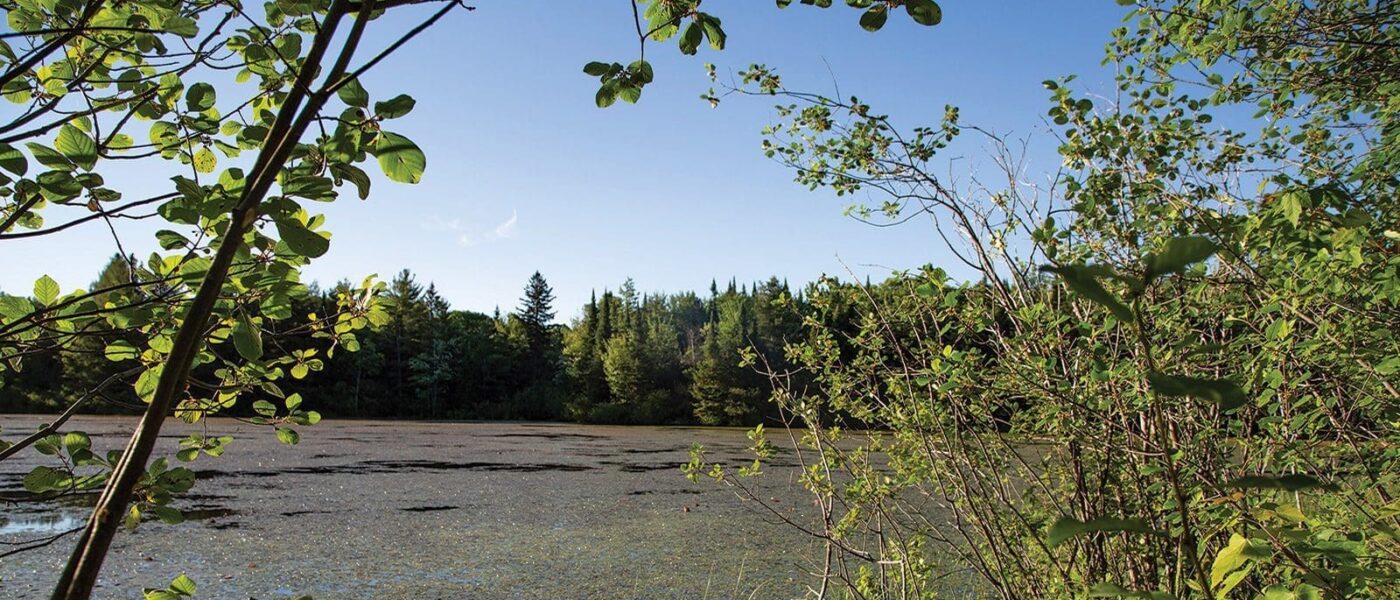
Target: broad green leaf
x,y
76,146
1290,203
713,32
15,307
247,338
1290,483
45,479
924,12
12,160
75,441
690,40
265,408
874,19
395,107
181,26
120,350
46,290
596,69
606,96
288,436
183,585
49,157
1235,554
1111,590
354,94
301,240
200,97
1066,528
1178,254
168,515
1222,392
1083,279
400,158
205,160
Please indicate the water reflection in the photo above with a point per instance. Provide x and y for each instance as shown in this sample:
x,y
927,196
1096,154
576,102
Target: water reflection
x,y
40,524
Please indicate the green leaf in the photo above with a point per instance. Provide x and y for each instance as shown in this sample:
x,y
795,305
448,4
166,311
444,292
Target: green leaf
x,y
1111,590
12,160
265,408
301,240
395,107
1083,279
1222,392
76,146
1291,205
1290,483
49,157
713,32
49,445
75,441
1239,551
400,158
168,516
1178,254
120,350
288,436
1066,528
183,585
596,69
181,26
200,97
15,307
354,94
45,479
606,96
924,12
247,338
875,18
690,40
46,290
205,160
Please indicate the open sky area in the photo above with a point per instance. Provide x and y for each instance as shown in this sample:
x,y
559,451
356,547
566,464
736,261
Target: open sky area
x,y
525,173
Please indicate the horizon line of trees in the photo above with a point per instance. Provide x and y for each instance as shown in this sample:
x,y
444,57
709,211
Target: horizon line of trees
x,y
629,358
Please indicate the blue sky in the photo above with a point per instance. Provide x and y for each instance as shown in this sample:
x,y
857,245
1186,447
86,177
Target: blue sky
x,y
525,174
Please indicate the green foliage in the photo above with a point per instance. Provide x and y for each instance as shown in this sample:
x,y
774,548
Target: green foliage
x,y
662,20
1194,397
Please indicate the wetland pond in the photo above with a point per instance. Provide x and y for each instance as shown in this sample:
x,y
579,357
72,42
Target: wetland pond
x,y
425,510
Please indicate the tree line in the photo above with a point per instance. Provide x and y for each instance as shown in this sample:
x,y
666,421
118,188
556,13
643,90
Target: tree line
x,y
629,357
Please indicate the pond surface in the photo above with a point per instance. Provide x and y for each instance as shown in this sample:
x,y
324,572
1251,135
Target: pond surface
x,y
363,509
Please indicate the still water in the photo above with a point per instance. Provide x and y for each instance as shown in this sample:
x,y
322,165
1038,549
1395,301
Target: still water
x,y
364,509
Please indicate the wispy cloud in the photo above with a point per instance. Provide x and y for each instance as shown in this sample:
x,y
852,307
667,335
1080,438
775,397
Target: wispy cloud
x,y
470,236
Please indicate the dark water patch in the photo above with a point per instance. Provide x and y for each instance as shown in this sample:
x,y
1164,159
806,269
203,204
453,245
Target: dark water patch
x,y
217,474
668,492
654,450
298,513
644,467
429,508
404,466
552,436
207,513
432,465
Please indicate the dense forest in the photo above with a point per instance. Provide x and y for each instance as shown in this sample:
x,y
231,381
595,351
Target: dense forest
x,y
629,357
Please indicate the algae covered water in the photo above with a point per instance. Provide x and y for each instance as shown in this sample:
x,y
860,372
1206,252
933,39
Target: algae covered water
x,y
363,509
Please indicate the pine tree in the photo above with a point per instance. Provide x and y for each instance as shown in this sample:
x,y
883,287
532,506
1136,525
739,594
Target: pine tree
x,y
542,352
406,313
